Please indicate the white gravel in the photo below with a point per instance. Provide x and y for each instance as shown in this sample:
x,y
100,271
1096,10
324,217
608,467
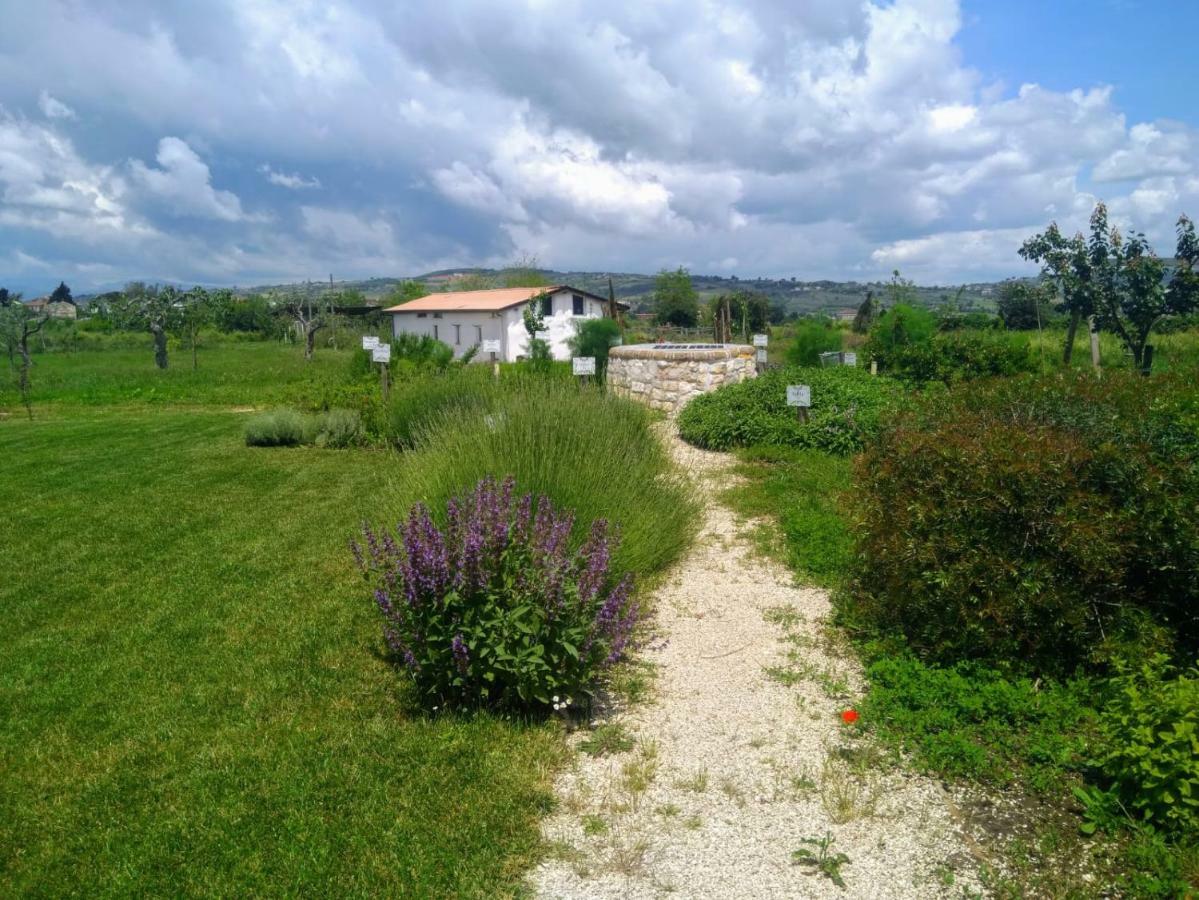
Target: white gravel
x,y
732,768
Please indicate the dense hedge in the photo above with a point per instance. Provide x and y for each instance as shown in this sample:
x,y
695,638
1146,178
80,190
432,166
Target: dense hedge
x,y
846,404
953,357
1036,523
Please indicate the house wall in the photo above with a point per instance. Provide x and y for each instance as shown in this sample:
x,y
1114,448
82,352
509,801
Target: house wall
x,y
508,326
473,328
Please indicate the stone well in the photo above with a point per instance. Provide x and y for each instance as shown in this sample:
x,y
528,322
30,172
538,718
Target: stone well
x,y
666,376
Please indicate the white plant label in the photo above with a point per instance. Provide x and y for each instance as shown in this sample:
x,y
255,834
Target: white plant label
x,y
761,354
583,365
381,354
850,358
541,335
491,346
761,340
369,342
799,395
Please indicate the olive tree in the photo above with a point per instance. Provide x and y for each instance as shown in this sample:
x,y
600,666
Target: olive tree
x,y
158,310
18,323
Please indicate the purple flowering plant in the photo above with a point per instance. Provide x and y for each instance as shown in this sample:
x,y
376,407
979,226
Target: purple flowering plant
x,y
496,608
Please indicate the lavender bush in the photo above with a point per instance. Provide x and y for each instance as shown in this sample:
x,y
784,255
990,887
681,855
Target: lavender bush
x,y
495,608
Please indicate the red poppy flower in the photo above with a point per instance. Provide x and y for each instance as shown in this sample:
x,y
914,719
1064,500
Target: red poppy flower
x,y
849,716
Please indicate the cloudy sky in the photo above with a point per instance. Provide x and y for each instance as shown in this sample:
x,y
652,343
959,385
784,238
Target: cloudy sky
x,y
249,141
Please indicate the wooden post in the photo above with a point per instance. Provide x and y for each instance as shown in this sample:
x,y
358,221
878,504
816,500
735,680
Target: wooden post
x,y
1094,345
384,373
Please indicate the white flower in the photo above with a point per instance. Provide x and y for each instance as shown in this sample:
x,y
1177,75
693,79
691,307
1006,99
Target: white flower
x,y
555,698
556,706
568,701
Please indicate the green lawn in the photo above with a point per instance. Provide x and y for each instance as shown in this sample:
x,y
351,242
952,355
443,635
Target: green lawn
x,y
253,373
192,699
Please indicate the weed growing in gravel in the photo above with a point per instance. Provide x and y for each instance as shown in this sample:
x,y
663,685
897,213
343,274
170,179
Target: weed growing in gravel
x,y
697,782
693,823
611,737
819,857
729,788
593,824
844,795
638,774
668,810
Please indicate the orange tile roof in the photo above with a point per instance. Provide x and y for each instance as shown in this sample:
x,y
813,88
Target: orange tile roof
x,y
473,301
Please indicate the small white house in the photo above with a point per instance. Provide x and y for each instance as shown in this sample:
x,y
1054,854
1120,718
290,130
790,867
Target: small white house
x,y
463,319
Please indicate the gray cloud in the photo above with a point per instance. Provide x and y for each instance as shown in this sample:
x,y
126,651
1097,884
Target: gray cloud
x,y
817,138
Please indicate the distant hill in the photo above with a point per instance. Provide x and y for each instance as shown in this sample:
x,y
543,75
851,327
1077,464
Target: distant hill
x,y
803,297
799,297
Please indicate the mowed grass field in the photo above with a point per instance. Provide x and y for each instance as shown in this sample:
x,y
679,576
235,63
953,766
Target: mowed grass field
x,y
193,699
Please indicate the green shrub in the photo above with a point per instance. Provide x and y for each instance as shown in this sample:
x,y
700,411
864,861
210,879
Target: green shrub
x,y
409,353
900,326
1150,731
416,401
338,428
846,405
278,428
812,339
958,356
497,609
585,450
595,337
1033,523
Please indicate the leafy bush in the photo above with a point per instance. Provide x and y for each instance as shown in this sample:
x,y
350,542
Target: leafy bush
x,y
496,609
900,326
846,405
587,451
410,353
278,428
1035,523
950,358
595,337
812,339
1150,731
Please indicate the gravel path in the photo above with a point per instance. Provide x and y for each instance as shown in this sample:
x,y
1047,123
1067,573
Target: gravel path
x,y
731,767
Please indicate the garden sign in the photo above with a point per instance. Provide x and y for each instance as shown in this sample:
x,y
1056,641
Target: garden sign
x,y
369,342
760,340
583,365
800,396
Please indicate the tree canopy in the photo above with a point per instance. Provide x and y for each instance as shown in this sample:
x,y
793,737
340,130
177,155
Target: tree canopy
x,y
675,300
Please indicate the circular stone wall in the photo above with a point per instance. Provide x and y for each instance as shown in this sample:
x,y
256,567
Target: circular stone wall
x,y
666,376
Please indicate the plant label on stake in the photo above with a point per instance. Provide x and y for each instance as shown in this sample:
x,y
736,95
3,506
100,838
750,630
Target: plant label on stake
x,y
583,365
491,346
761,356
800,396
850,358
382,354
760,340
369,342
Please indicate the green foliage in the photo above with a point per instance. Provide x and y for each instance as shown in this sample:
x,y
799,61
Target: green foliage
x,y
846,405
1150,744
864,319
410,354
338,429
1035,523
61,294
524,272
899,326
968,720
585,450
1023,306
811,339
675,300
957,356
277,428
406,291
595,337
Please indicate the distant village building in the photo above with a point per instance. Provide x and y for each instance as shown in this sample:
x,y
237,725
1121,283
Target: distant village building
x,y
463,319
56,309
845,315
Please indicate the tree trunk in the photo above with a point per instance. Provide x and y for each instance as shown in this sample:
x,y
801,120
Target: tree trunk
x,y
160,346
309,342
1071,330
23,375
195,364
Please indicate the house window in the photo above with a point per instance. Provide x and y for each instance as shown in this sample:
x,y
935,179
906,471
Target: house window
x,y
436,315
547,305
577,300
457,334
478,334
422,315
